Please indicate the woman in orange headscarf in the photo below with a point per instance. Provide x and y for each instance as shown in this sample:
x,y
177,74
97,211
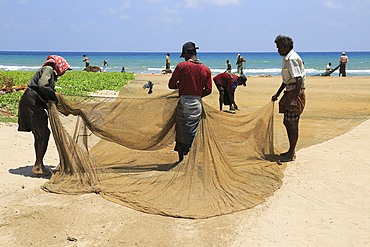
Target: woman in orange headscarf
x,y
32,113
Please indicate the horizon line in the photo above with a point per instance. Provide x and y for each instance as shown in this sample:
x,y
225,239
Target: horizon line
x,y
173,51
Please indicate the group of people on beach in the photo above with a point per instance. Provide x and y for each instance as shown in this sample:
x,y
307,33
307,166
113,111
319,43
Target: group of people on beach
x,y
342,66
193,81
85,59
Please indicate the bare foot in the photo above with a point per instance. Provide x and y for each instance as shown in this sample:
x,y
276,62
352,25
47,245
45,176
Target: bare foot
x,y
283,154
41,170
288,158
286,153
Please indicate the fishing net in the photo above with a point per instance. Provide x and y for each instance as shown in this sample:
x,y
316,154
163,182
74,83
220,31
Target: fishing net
x,y
122,147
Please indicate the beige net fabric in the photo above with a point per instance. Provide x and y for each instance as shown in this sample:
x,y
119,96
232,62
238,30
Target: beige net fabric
x,y
122,148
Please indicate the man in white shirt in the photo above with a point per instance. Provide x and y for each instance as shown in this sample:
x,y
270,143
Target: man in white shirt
x,y
294,99
327,70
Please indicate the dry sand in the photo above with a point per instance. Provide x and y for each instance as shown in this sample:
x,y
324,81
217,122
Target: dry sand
x,y
323,201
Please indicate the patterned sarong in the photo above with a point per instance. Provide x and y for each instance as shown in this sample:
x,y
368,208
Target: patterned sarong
x,y
284,105
188,115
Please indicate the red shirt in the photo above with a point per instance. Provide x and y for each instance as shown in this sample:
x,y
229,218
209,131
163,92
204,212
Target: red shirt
x,y
343,59
191,79
225,81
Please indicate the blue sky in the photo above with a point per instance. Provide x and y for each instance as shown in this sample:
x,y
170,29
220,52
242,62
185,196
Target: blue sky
x,y
164,25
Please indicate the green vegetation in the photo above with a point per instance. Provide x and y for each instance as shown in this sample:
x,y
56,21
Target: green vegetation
x,y
9,102
72,82
80,82
8,119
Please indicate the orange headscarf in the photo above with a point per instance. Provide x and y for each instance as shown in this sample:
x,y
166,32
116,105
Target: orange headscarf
x,y
60,64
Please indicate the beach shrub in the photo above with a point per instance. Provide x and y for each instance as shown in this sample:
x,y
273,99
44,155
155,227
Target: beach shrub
x,y
72,82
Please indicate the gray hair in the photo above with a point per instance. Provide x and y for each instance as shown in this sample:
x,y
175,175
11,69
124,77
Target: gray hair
x,y
285,40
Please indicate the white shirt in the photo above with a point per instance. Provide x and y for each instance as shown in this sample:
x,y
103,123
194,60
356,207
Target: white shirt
x,y
292,68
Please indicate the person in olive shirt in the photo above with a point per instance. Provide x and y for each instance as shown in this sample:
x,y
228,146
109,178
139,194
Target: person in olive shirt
x,y
32,113
168,62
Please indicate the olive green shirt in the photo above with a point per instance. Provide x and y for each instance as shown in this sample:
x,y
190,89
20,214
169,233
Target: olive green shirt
x,y
44,81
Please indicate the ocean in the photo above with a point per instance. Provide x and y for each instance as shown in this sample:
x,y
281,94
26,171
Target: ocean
x,y
154,62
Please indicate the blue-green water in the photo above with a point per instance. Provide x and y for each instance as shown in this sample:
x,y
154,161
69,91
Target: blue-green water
x,y
154,62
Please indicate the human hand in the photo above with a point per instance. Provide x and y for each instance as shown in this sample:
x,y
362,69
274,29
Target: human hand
x,y
293,103
274,97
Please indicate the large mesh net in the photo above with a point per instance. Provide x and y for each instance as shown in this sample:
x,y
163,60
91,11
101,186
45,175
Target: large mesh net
x,y
122,148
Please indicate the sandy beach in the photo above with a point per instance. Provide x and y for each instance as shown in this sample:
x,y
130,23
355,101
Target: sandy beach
x,y
323,200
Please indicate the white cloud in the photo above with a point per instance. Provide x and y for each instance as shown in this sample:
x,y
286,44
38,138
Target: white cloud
x,y
22,2
165,16
197,4
192,4
125,5
332,5
124,16
47,23
166,11
221,2
121,11
155,1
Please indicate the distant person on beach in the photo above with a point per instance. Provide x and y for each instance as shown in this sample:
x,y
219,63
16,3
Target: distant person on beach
x,y
105,65
32,113
226,84
293,101
193,79
343,61
328,68
123,70
228,69
168,62
86,61
240,63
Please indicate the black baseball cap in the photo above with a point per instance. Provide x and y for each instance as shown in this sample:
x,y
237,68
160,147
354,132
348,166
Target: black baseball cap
x,y
244,79
187,47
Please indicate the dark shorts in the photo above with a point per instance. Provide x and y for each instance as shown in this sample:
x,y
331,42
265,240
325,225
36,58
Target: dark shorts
x,y
32,113
227,100
220,88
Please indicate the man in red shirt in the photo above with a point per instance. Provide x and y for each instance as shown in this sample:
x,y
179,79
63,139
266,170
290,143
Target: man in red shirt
x,y
342,62
226,84
193,79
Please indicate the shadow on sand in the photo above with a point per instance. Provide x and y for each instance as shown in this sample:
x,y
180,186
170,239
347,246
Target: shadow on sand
x,y
26,171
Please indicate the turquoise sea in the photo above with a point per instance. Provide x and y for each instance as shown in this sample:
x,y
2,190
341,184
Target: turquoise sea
x,y
154,62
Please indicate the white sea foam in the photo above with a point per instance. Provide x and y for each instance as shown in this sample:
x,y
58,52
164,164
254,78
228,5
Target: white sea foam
x,y
28,68
156,69
15,68
357,71
247,71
